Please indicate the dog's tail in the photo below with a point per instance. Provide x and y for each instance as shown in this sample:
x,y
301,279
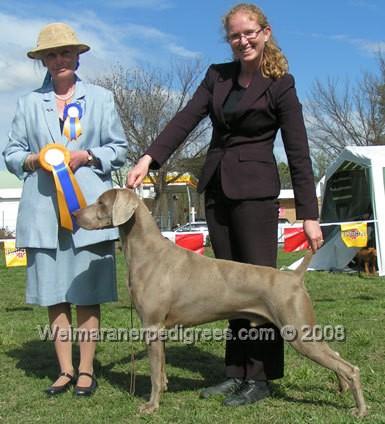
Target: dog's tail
x,y
300,271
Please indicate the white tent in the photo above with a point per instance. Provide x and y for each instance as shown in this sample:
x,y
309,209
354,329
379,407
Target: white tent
x,y
353,190
10,193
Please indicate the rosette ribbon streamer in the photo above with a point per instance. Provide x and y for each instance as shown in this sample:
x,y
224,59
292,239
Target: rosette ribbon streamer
x,y
55,158
72,114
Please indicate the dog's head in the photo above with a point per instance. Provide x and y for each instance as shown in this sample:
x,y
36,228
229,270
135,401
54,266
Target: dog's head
x,y
113,208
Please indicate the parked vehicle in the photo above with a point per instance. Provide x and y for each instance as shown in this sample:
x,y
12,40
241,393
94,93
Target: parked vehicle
x,y
193,227
201,227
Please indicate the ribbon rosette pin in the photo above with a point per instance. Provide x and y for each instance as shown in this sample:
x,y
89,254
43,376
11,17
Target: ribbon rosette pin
x,y
72,114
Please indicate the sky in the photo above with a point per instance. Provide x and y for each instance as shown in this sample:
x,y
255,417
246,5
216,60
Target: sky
x,y
321,38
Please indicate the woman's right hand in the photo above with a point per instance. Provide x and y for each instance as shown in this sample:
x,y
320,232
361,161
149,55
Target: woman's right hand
x,y
138,172
31,162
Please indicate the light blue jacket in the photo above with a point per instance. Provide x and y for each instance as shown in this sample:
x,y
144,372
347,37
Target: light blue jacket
x,y
36,124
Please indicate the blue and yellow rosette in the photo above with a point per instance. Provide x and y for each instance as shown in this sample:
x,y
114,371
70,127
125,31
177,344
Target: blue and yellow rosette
x,y
55,158
72,114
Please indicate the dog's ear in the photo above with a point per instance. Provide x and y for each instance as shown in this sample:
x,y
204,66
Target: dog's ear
x,y
126,201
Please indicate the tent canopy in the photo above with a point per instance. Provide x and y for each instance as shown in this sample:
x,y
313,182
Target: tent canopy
x,y
353,190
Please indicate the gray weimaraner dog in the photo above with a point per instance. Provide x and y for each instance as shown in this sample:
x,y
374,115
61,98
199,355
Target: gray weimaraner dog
x,y
172,286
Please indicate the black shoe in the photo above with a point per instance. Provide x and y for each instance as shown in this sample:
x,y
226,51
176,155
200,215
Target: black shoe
x,y
251,391
228,386
89,390
56,390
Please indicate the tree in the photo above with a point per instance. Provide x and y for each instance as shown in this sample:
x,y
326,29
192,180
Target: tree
x,y
340,115
320,161
119,176
146,100
284,175
192,165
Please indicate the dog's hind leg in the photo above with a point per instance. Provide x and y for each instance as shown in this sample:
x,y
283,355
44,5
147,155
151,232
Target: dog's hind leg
x,y
343,385
373,265
320,352
301,319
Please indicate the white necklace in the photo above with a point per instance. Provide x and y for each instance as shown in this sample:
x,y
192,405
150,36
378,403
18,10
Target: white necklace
x,y
66,96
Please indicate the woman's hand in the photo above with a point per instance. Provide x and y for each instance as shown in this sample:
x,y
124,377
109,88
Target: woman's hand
x,y
313,233
138,172
31,162
78,158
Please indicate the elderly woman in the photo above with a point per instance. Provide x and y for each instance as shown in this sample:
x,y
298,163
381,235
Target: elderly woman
x,y
66,266
248,101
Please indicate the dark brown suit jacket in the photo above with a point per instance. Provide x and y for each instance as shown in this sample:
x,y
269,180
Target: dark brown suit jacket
x,y
245,151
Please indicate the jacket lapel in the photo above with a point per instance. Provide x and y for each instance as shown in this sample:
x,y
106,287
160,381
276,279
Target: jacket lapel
x,y
50,114
80,98
80,93
222,88
254,91
257,87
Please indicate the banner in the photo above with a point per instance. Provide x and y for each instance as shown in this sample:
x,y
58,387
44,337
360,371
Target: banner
x,y
192,242
355,234
294,239
13,256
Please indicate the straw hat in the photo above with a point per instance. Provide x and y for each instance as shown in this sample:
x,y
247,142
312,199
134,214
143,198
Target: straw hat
x,y
56,35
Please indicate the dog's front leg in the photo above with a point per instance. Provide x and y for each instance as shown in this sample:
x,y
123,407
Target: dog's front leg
x,y
156,356
164,374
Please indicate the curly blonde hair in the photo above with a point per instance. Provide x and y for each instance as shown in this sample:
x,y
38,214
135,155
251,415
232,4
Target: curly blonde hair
x,y
274,63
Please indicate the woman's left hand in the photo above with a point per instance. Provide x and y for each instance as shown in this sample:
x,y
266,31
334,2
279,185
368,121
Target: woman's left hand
x,y
313,233
78,158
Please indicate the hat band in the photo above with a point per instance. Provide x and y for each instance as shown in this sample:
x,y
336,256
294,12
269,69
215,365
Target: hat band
x,y
36,53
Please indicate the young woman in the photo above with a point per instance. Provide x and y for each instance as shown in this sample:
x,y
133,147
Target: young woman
x,y
248,101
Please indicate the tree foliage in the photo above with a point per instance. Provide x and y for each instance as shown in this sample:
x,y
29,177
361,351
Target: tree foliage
x,y
284,175
147,99
342,114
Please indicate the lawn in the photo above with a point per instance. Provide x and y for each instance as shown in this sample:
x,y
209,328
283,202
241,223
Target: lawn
x,y
307,393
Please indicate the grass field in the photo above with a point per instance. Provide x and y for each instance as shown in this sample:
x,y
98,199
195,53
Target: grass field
x,y
307,393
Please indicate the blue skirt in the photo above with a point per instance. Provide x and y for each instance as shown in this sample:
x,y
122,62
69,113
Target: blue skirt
x,y
81,276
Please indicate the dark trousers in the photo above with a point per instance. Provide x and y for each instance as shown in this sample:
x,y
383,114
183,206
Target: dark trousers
x,y
246,231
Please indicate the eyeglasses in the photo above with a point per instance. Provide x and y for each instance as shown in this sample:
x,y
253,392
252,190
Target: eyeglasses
x,y
249,35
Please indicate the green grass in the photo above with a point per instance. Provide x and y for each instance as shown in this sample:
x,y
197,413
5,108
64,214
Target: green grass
x,y
307,393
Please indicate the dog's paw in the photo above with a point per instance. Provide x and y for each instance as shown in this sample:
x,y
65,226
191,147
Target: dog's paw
x,y
360,412
148,408
343,386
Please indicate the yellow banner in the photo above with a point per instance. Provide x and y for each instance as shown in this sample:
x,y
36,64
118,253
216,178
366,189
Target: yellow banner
x,y
184,179
13,256
355,235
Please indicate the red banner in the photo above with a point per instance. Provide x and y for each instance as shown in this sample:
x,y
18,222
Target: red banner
x,y
192,242
294,239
